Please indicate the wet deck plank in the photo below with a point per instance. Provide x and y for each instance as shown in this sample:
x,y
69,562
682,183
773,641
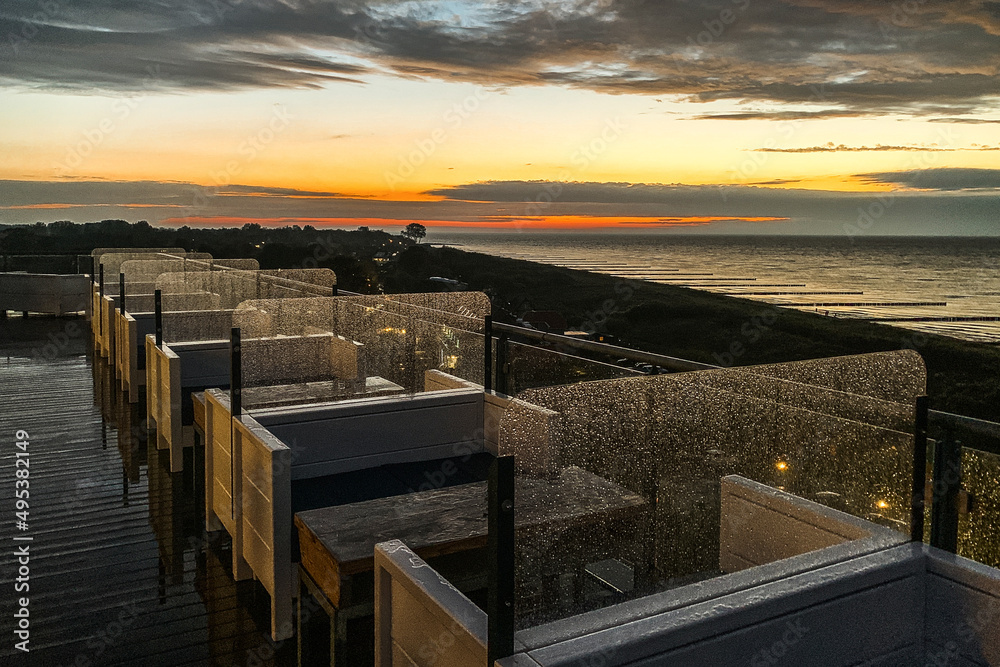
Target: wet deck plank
x,y
122,572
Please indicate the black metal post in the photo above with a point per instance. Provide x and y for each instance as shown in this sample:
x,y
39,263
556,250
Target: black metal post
x,y
488,353
235,373
334,290
918,502
100,303
501,383
947,484
235,396
121,293
158,316
500,545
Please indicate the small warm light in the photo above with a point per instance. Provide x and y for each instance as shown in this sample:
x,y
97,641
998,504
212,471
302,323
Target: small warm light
x,y
781,465
882,504
394,330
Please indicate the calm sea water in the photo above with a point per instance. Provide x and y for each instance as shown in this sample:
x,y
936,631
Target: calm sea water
x,y
944,285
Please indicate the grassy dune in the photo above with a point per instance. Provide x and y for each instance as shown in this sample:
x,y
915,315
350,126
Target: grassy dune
x,y
962,377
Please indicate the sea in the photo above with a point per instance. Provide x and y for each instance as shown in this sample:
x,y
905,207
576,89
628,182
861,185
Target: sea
x,y
942,285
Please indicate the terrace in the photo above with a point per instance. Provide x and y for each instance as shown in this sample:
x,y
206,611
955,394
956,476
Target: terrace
x,y
706,516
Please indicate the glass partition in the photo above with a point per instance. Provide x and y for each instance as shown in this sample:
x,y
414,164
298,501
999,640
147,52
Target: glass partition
x,y
620,482
530,366
979,507
198,304
114,264
358,345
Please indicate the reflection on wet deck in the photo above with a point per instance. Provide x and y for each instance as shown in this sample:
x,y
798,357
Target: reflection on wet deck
x,y
122,572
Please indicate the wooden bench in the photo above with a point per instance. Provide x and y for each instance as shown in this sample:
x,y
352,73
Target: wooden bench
x,y
132,328
254,462
194,285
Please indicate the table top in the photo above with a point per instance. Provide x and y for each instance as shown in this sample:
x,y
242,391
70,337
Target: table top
x,y
453,519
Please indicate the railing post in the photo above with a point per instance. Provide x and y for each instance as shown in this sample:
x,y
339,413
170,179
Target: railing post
x,y
235,373
918,502
501,382
158,316
235,402
101,285
334,289
947,484
121,293
500,545
488,353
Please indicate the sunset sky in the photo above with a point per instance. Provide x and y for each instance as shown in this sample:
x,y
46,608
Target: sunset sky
x,y
730,116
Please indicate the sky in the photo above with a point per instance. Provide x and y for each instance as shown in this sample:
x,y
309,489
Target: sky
x,y
718,116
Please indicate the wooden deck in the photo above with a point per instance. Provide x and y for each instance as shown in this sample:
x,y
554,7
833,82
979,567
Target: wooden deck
x,y
121,572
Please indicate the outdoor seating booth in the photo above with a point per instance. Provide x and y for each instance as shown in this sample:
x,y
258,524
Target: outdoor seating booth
x,y
202,289
104,292
192,352
277,449
179,292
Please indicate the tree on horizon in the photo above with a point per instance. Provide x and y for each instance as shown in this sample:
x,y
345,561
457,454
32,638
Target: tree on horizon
x,y
414,231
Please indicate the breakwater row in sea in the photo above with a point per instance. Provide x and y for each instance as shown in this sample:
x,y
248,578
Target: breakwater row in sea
x,y
947,286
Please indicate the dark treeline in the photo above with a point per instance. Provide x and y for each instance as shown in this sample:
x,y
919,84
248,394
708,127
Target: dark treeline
x,y
351,254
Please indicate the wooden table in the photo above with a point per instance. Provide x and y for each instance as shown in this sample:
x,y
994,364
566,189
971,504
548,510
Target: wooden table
x,y
336,542
447,525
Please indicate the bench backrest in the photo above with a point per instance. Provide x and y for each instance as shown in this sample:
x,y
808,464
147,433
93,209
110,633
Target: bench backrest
x,y
330,438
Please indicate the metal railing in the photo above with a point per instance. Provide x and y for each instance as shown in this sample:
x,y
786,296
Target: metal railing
x,y
949,432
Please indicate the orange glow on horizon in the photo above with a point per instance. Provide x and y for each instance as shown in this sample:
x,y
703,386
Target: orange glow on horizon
x,y
490,222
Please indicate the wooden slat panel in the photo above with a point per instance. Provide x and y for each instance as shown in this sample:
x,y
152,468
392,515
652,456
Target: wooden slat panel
x,y
258,510
420,634
258,553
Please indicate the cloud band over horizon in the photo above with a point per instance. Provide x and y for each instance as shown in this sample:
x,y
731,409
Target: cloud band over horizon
x,y
521,205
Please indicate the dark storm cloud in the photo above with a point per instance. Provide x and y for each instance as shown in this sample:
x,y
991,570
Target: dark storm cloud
x,y
940,179
839,57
